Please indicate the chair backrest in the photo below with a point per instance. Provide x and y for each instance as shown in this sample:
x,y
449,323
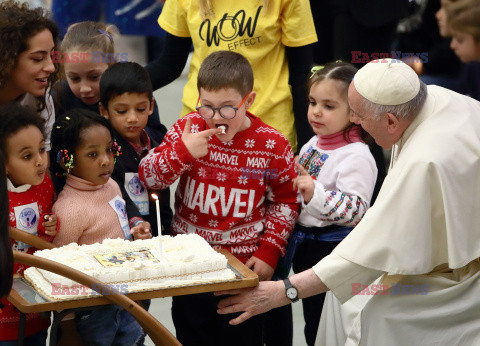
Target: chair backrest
x,y
29,239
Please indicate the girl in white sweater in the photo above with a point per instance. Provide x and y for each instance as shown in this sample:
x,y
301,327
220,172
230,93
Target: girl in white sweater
x,y
337,174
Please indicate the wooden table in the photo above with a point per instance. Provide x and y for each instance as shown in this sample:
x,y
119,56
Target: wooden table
x,y
28,300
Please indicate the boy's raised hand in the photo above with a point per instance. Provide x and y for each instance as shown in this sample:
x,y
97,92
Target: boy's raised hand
x,y
304,183
50,225
197,143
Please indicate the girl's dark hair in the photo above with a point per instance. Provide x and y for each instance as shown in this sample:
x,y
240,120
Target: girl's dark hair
x,y
343,72
14,117
67,132
18,23
6,254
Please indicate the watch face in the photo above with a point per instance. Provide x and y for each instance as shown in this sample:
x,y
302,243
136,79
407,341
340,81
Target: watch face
x,y
292,293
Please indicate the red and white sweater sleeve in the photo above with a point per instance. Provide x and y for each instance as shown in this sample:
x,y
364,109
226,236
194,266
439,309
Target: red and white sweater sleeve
x,y
164,164
281,207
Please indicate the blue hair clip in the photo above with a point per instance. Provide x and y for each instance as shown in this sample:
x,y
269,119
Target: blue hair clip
x,y
103,32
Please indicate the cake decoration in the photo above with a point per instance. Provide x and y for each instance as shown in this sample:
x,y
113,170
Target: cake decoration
x,y
135,266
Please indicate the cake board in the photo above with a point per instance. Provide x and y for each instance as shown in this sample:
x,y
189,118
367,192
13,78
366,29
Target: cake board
x,y
27,300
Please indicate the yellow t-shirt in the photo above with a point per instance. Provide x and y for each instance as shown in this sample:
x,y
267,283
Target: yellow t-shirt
x,y
247,28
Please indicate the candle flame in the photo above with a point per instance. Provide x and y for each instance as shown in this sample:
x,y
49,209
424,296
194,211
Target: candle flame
x,y
154,196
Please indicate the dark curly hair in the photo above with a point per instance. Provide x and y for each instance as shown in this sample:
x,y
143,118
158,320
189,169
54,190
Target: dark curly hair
x,y
6,255
18,23
13,118
67,132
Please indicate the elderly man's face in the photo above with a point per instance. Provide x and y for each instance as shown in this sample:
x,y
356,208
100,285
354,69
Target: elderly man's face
x,y
375,126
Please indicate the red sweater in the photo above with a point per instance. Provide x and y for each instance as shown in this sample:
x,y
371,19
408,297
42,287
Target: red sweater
x,y
238,197
27,209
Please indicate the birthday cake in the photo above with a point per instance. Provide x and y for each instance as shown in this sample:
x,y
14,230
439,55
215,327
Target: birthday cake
x,y
132,266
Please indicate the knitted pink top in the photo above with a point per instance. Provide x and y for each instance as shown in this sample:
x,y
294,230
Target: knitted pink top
x,y
86,213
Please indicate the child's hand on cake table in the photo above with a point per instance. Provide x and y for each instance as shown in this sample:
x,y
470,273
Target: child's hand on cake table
x,y
261,268
197,143
50,224
304,182
141,231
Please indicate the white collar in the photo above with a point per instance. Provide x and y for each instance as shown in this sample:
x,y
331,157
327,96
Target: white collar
x,y
18,189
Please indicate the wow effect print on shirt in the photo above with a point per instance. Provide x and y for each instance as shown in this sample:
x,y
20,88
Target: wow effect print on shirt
x,y
229,28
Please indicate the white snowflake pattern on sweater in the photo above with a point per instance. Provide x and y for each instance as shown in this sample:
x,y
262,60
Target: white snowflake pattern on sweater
x,y
270,144
202,172
213,223
194,129
221,176
249,143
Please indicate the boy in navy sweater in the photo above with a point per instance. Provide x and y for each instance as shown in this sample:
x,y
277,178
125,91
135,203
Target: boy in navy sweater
x,y
126,100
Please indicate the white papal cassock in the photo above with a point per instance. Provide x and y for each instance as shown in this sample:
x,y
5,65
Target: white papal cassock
x,y
422,235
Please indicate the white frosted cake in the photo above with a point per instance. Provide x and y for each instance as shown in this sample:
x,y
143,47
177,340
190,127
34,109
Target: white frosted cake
x,y
132,266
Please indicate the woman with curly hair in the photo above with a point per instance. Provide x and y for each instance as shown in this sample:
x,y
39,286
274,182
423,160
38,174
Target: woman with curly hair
x,y
27,39
6,256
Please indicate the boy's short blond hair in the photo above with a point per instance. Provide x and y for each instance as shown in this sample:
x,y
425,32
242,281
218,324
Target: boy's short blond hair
x,y
464,16
224,69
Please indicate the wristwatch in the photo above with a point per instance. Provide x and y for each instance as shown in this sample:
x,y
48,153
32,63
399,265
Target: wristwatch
x,y
290,290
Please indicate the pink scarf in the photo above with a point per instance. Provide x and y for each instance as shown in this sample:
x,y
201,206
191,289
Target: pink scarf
x,y
336,140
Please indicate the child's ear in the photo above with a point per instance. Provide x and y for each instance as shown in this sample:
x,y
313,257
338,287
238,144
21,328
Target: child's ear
x,y
152,104
250,99
103,111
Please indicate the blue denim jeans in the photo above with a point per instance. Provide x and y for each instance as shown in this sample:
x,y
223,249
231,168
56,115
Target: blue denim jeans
x,y
37,339
109,326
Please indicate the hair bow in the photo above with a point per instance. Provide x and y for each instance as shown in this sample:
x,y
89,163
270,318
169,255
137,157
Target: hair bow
x,y
315,69
117,150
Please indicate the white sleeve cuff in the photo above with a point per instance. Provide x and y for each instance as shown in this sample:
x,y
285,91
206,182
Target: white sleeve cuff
x,y
340,276
317,202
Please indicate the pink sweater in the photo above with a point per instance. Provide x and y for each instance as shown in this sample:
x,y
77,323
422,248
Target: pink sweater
x,y
87,217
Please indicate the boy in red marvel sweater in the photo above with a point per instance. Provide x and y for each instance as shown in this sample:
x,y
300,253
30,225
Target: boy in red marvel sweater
x,y
235,189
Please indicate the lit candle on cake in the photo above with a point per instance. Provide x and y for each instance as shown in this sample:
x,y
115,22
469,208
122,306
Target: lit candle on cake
x,y
159,225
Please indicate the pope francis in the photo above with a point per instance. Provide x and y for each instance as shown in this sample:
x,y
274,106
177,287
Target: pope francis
x,y
409,273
